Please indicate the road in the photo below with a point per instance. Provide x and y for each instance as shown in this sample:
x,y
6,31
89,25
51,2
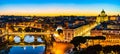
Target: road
x,y
85,30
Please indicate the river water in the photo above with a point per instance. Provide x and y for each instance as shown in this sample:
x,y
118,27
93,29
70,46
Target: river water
x,y
23,50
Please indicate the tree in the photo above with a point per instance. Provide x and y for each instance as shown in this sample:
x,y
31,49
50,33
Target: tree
x,y
77,41
107,49
116,48
92,50
96,37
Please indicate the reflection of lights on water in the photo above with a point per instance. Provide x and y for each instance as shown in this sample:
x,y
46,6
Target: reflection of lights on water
x,y
24,48
33,47
44,47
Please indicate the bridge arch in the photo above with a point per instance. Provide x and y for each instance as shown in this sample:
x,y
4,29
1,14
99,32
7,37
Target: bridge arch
x,y
17,39
39,39
26,39
29,39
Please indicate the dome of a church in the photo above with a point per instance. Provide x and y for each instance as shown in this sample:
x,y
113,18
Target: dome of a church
x,y
102,11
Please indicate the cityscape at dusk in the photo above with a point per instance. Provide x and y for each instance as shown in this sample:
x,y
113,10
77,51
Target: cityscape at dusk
x,y
59,27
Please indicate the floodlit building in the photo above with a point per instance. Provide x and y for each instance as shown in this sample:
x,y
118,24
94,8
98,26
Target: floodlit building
x,y
111,32
102,17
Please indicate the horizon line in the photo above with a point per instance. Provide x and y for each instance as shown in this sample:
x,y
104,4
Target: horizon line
x,y
58,15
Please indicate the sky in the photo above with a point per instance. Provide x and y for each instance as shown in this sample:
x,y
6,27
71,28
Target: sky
x,y
59,7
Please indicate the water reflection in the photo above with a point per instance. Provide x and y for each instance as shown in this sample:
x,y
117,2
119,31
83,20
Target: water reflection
x,y
24,50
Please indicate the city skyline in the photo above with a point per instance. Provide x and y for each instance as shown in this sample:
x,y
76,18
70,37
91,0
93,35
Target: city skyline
x,y
57,8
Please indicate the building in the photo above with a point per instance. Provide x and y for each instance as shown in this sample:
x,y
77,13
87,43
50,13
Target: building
x,y
113,26
102,17
68,34
111,32
113,18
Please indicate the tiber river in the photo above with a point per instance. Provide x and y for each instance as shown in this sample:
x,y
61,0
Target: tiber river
x,y
26,49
